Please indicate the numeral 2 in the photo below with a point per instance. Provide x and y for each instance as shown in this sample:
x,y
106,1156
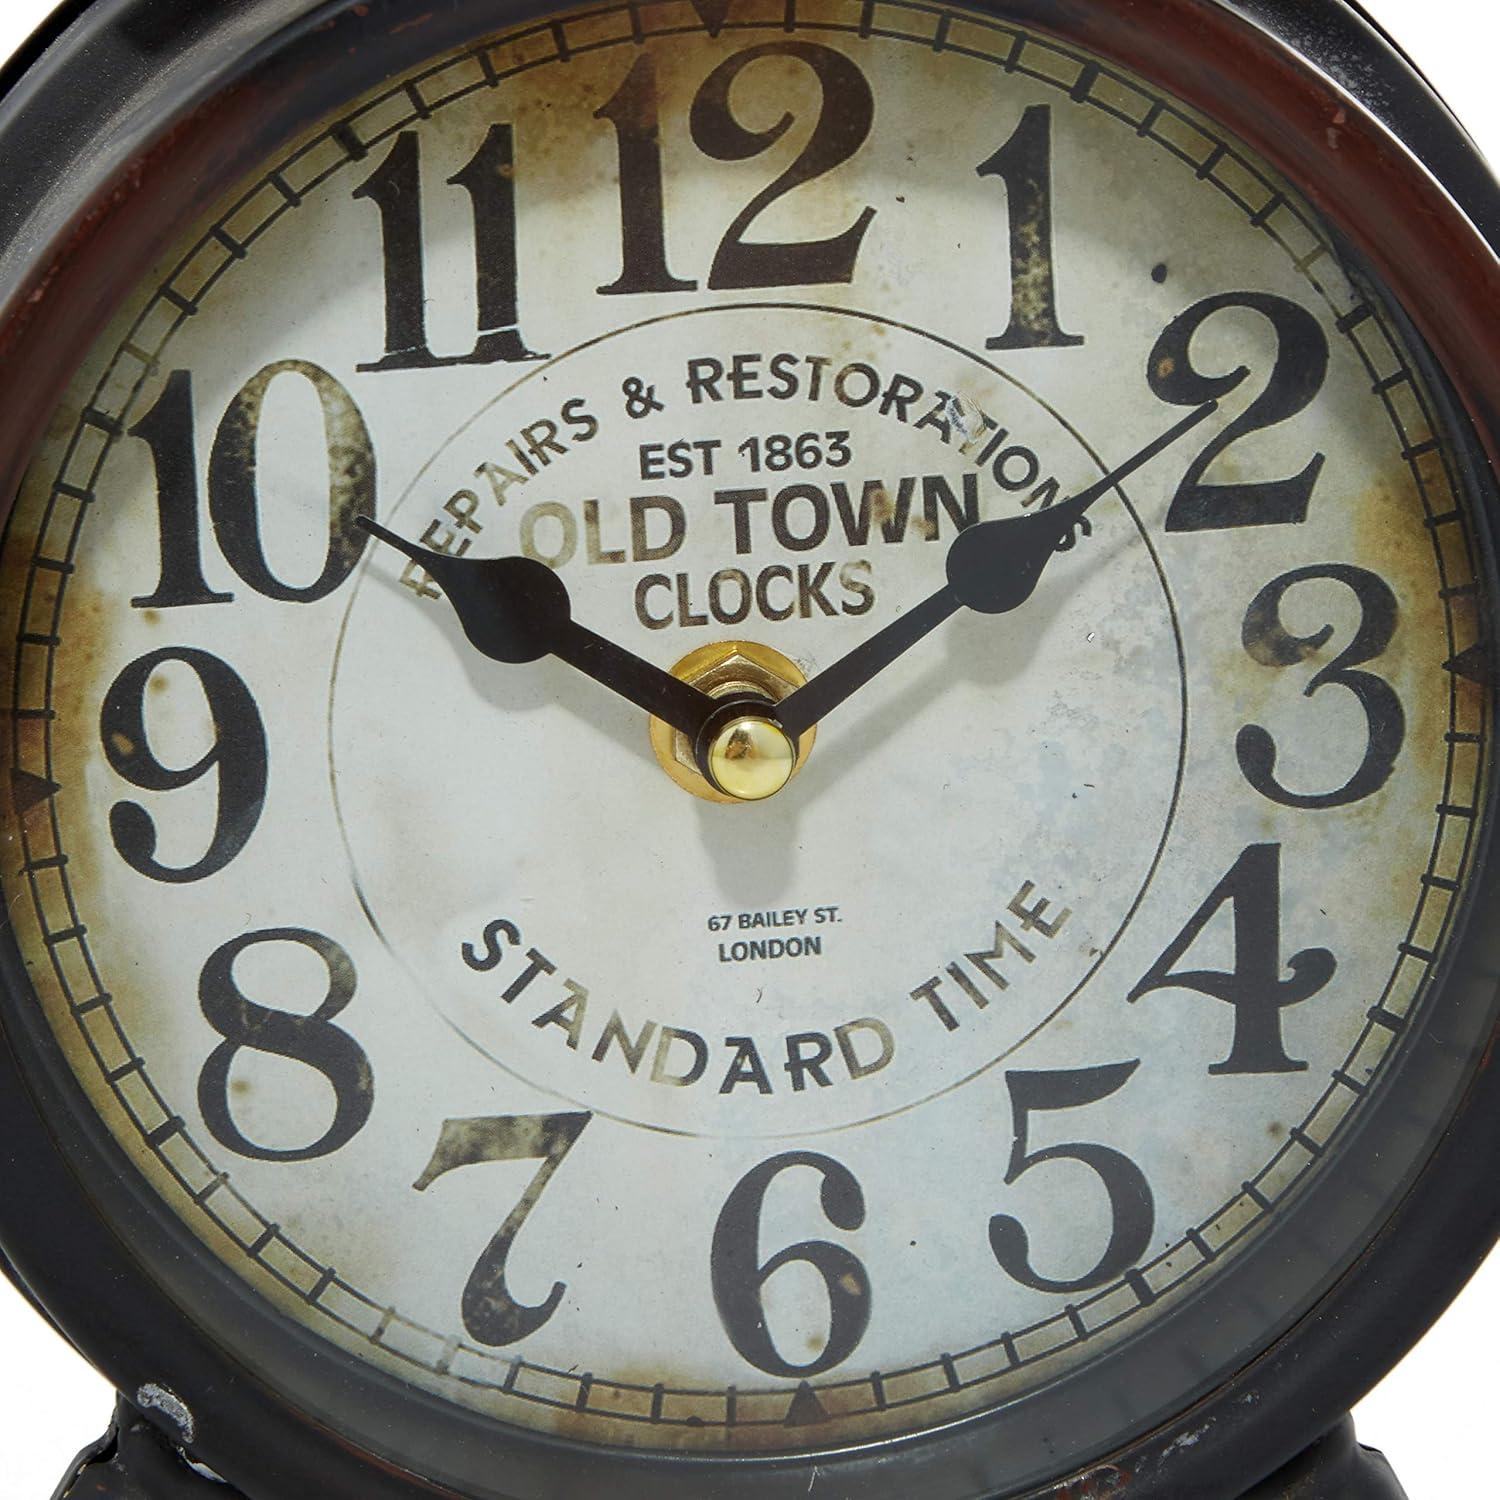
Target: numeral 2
x,y
1300,368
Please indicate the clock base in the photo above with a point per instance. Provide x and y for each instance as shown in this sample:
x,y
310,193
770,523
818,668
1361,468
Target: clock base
x,y
1335,1468
134,1461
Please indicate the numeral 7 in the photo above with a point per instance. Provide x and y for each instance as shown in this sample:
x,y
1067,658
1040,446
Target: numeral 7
x,y
491,1315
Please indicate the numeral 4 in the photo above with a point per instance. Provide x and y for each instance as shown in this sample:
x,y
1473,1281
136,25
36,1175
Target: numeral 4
x,y
1254,988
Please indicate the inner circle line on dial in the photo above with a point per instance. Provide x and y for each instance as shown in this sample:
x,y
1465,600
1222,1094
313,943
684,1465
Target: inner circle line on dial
x,y
541,370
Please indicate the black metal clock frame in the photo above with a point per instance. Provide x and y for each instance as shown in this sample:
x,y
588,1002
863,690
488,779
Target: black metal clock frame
x,y
103,150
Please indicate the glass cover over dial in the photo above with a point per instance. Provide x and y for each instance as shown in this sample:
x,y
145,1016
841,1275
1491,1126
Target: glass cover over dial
x,y
794,1048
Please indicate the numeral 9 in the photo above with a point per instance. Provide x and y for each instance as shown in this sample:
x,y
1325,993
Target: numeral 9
x,y
238,753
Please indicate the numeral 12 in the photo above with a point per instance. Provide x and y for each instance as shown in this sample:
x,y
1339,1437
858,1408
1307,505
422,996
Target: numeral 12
x,y
843,125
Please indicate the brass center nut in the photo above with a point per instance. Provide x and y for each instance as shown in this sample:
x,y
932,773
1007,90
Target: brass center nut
x,y
752,758
730,669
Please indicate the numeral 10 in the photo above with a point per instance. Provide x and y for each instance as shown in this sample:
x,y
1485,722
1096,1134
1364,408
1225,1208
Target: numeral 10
x,y
233,495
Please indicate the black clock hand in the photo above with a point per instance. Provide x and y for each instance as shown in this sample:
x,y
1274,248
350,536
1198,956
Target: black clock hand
x,y
810,703
992,568
515,609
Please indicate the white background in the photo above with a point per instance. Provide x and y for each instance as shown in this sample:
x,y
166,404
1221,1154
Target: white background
x,y
1433,1417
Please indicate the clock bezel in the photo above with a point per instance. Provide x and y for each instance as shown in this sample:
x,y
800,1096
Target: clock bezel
x,y
137,1333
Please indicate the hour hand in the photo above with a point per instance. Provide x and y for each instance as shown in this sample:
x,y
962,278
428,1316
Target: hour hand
x,y
515,609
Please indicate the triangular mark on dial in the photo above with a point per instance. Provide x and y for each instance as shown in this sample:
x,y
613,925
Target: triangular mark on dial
x,y
806,1410
28,790
713,14
1473,664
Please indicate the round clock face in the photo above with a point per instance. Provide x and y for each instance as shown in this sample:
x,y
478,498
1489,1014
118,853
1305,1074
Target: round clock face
x,y
442,996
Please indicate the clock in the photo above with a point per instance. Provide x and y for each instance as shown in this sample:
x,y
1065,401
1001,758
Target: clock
x,y
747,745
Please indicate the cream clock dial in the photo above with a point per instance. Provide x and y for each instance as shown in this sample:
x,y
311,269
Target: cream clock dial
x,y
1070,530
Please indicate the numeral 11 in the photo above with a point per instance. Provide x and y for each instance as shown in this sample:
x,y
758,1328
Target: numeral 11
x,y
395,188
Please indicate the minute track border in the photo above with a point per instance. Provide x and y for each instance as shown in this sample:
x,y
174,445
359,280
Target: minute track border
x,y
104,421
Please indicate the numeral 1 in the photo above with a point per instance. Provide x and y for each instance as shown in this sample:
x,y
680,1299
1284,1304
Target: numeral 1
x,y
634,112
1024,164
167,429
395,188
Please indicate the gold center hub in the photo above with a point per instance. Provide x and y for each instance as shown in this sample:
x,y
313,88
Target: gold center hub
x,y
751,757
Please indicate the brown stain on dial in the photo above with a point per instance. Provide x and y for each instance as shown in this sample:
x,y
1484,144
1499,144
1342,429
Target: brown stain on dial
x,y
86,622
234,460
76,666
78,686
584,1426
1386,534
1395,544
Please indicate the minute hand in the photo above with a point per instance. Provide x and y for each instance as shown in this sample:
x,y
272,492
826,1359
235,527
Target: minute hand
x,y
993,568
